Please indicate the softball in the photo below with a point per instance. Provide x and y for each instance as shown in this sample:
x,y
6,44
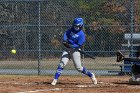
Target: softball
x,y
13,51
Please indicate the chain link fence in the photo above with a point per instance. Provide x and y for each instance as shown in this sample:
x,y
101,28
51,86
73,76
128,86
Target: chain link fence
x,y
35,29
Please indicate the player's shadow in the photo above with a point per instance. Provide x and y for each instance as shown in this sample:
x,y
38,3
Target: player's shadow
x,y
42,83
125,83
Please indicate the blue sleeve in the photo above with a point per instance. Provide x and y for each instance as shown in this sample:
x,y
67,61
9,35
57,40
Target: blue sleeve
x,y
65,37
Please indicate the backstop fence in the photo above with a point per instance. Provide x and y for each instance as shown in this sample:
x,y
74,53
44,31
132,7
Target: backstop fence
x,y
35,29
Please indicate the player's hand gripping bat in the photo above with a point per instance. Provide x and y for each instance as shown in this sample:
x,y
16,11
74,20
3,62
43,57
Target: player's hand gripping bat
x,y
82,52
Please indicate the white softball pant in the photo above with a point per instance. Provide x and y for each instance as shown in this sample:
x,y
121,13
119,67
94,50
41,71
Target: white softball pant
x,y
75,56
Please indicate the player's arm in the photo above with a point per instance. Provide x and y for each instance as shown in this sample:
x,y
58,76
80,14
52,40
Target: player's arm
x,y
79,43
65,39
81,40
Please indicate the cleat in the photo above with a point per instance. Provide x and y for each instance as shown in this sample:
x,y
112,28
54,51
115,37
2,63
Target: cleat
x,y
94,80
120,56
54,82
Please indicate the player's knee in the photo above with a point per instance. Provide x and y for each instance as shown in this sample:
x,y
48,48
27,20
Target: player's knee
x,y
79,69
61,64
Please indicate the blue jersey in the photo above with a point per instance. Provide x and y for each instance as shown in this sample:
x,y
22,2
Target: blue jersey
x,y
75,38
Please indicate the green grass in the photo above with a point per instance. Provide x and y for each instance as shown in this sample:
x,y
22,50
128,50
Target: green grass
x,y
103,63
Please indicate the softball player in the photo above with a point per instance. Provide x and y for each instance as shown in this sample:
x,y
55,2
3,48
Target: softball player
x,y
135,68
121,57
73,40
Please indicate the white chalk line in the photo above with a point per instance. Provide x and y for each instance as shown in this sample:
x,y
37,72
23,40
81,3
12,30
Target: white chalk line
x,y
93,85
45,90
17,83
32,91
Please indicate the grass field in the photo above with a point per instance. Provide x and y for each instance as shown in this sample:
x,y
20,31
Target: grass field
x,y
98,63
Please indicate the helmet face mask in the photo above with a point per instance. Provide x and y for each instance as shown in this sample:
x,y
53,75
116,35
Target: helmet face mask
x,y
78,24
77,27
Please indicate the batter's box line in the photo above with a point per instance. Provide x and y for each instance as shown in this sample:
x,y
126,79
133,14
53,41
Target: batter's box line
x,y
16,83
45,90
94,85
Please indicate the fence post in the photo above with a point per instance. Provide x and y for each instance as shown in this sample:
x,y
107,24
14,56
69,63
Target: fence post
x,y
132,27
39,39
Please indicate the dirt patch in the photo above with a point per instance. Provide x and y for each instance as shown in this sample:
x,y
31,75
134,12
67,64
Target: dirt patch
x,y
66,84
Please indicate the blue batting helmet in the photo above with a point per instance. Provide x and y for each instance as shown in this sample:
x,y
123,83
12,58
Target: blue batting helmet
x,y
78,23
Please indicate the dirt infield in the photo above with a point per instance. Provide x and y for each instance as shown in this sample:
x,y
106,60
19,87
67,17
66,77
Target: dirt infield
x,y
66,84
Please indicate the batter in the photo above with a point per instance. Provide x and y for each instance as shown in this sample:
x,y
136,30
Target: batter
x,y
73,40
